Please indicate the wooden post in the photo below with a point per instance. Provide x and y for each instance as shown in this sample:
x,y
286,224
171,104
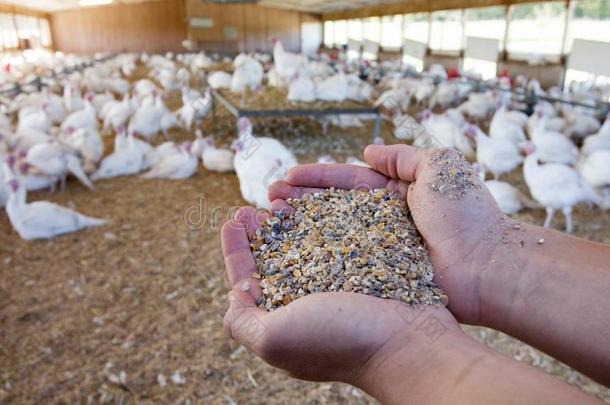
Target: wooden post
x,y
361,30
570,5
508,15
563,58
463,42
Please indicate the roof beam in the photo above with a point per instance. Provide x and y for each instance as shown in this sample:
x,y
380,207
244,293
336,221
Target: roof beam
x,y
416,6
14,9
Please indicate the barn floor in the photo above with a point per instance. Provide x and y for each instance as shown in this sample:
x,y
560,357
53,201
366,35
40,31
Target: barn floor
x,y
145,295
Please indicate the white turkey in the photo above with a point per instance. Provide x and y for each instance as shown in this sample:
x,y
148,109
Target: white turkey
x,y
358,90
145,87
274,79
394,99
118,114
146,121
41,219
287,64
553,147
258,162
406,128
580,125
85,118
497,155
327,160
220,80
598,141
443,131
333,88
479,105
595,168
216,159
122,162
509,198
180,165
56,161
248,74
556,186
505,125
89,145
35,118
73,99
301,89
195,109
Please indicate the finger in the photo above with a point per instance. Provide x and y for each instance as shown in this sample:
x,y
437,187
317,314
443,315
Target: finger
x,y
281,205
283,190
251,218
234,237
399,187
244,321
335,175
238,258
395,161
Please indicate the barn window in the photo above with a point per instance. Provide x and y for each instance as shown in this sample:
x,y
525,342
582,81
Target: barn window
x,y
45,33
416,27
486,22
391,27
8,33
329,34
536,31
340,33
446,31
354,29
372,29
590,20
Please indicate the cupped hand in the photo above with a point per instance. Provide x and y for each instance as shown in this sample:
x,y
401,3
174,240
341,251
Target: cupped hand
x,y
327,336
461,231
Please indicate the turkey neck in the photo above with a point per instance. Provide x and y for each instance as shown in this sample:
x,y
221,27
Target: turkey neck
x,y
16,202
530,166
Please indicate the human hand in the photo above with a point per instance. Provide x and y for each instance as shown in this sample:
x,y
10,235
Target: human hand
x,y
389,349
461,230
328,336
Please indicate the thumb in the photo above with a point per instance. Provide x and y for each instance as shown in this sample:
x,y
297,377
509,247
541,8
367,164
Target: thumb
x,y
243,321
399,162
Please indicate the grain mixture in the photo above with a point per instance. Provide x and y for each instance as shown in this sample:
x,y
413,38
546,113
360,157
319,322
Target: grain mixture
x,y
357,241
454,175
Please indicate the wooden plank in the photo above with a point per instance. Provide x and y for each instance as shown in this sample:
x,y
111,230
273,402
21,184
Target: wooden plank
x,y
255,26
157,26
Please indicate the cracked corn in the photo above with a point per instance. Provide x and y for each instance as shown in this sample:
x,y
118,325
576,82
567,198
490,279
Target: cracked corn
x,y
356,241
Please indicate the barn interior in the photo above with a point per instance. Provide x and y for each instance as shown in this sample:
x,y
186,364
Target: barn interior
x,y
131,309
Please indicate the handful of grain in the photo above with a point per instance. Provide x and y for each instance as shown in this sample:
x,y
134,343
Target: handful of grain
x,y
357,241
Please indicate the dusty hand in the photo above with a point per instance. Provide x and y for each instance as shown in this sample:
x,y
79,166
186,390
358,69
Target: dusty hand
x,y
323,337
461,232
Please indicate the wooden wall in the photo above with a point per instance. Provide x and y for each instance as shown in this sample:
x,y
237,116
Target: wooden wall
x,y
255,26
158,26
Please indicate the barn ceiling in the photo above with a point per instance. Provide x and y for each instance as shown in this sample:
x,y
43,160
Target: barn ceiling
x,y
326,6
56,5
315,6
331,9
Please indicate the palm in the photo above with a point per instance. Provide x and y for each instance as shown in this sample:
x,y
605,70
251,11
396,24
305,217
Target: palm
x,y
329,336
460,233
